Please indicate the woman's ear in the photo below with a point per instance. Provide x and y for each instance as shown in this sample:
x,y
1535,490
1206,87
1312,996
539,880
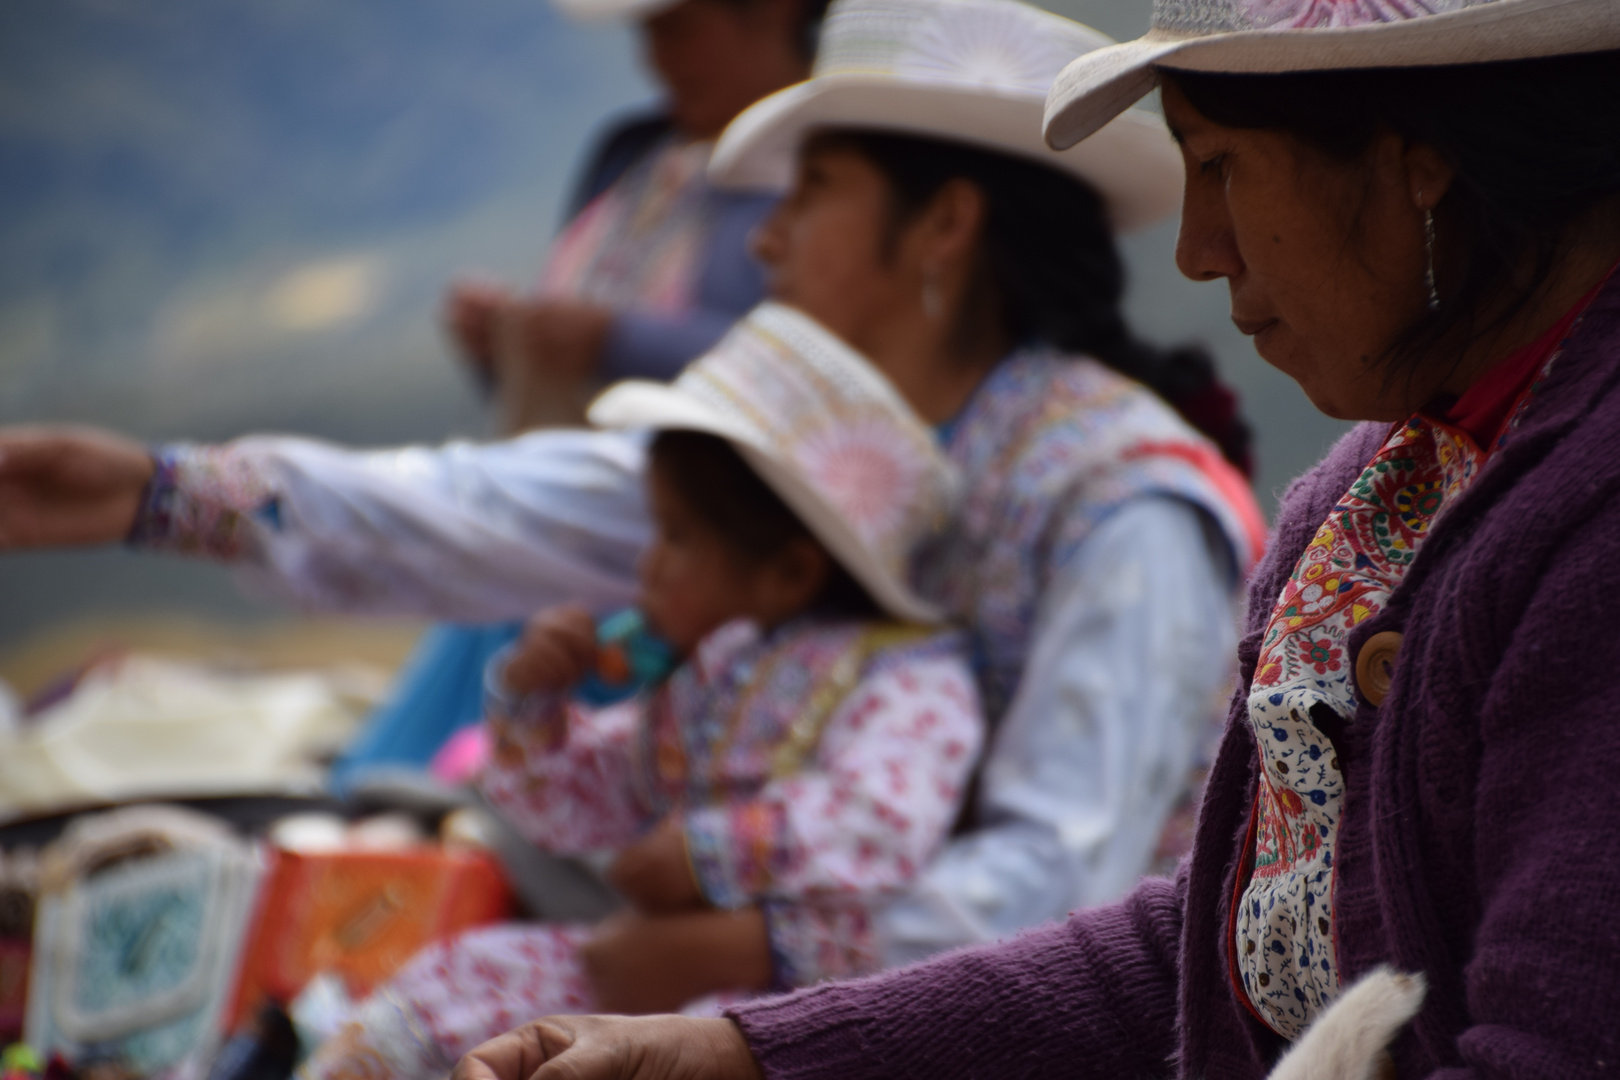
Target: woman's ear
x,y
791,580
1428,175
948,230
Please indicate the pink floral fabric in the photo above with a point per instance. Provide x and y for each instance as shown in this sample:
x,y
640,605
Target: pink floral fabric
x,y
203,500
857,815
816,821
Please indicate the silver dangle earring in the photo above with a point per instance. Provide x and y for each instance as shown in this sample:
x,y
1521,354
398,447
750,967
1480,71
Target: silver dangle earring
x,y
932,306
1428,244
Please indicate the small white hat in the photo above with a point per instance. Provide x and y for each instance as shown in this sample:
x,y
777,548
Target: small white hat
x,y
825,430
1260,36
969,71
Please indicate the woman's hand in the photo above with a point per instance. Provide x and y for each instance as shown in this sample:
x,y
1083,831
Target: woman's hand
x,y
654,873
556,338
556,651
62,486
657,963
614,1048
546,355
470,310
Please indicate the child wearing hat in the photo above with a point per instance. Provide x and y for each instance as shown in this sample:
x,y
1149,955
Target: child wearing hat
x,y
807,753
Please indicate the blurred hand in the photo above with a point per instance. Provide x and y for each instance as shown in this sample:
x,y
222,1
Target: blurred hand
x,y
557,650
614,1048
654,873
555,338
470,310
62,486
546,352
657,963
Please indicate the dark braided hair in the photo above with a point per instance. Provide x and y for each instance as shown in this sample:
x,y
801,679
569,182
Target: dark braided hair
x,y
1535,145
1049,270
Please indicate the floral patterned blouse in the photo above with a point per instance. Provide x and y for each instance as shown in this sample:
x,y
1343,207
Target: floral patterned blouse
x,y
824,761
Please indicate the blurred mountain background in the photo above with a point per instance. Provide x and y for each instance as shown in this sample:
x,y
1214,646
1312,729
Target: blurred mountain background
x,y
226,216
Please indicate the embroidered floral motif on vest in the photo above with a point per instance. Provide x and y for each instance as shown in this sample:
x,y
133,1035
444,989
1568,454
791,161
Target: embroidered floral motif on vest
x,y
639,243
1050,446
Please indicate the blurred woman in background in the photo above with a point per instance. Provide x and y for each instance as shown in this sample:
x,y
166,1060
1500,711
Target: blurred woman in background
x,y
651,268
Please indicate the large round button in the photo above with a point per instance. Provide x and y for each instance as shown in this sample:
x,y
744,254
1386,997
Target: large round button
x,y
1375,666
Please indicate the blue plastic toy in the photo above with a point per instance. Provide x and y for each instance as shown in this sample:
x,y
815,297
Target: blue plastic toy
x,y
630,658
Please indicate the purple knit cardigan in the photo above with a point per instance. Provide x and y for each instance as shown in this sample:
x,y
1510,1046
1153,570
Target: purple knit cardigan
x,y
1481,834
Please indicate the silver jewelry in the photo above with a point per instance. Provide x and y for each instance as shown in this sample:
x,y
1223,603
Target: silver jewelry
x,y
1428,274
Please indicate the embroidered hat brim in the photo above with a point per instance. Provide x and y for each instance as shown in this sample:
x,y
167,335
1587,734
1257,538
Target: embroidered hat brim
x,y
1098,86
1131,162
774,428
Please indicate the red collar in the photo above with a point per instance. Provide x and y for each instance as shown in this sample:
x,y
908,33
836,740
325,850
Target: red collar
x,y
1485,408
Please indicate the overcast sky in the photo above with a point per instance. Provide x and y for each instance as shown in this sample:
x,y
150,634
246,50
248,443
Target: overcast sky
x,y
221,217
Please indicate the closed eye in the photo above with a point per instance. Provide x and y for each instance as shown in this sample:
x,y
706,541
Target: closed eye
x,y
1215,166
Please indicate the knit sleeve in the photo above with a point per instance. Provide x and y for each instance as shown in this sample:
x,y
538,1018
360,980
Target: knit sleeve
x,y
1093,996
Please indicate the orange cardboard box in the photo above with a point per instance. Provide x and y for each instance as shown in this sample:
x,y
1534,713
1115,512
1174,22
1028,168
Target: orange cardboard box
x,y
362,915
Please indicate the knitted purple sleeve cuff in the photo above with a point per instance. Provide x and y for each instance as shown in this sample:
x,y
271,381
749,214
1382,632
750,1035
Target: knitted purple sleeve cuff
x,y
1093,996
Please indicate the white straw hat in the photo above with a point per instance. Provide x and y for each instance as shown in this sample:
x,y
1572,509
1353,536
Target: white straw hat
x,y
1260,36
825,430
969,71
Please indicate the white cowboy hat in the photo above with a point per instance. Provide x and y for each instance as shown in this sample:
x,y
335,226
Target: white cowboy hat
x,y
825,430
1261,36
969,71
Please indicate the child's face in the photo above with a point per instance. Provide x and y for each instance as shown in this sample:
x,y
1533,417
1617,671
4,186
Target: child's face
x,y
692,582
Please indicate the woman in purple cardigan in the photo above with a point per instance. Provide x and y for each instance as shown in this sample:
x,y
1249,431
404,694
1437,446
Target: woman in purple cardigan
x,y
1416,208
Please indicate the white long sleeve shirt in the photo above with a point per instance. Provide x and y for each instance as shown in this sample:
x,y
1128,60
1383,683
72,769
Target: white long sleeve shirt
x,y
1132,632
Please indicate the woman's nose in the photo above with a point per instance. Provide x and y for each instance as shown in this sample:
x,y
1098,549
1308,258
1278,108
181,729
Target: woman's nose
x,y
1206,248
767,240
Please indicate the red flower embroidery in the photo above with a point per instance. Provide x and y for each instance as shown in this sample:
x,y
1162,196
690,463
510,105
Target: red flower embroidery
x,y
1321,655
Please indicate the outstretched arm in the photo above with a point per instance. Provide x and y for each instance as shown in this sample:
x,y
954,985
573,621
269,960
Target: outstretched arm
x,y
473,532
1095,996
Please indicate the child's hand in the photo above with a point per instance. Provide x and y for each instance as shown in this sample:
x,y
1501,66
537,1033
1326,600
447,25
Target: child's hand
x,y
556,651
654,873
